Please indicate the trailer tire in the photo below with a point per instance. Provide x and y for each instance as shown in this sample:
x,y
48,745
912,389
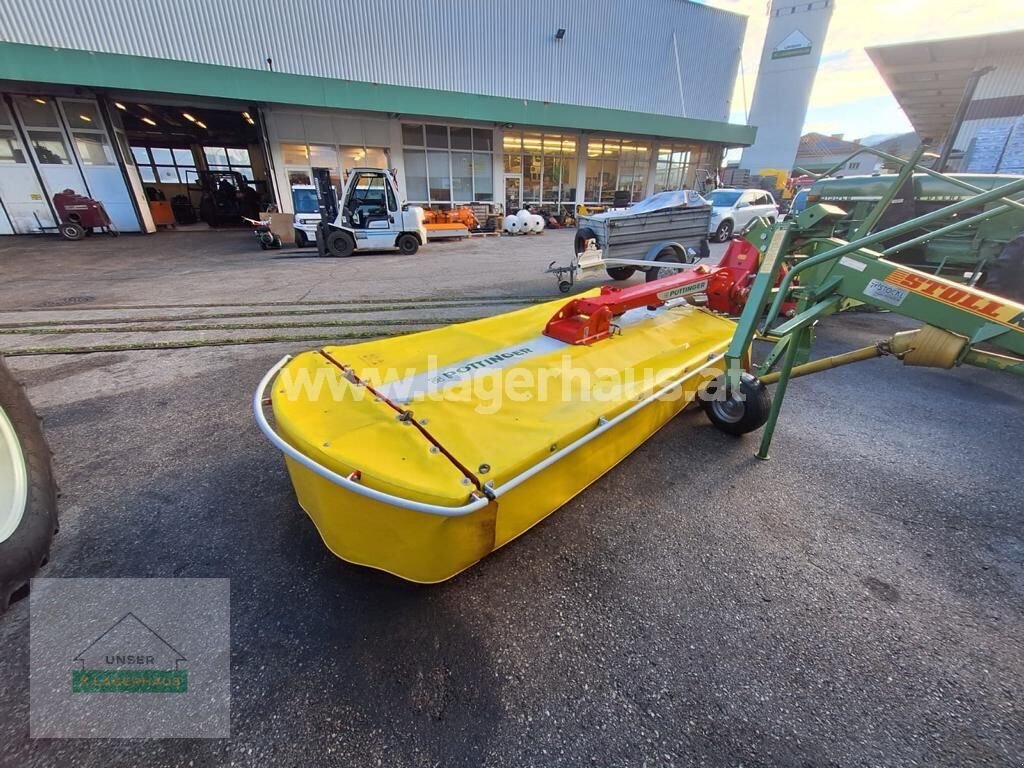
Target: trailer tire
x,y
667,256
340,244
704,249
70,230
732,415
407,244
1006,276
583,234
27,547
620,273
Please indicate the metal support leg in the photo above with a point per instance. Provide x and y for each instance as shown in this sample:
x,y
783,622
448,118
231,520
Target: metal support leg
x,y
799,340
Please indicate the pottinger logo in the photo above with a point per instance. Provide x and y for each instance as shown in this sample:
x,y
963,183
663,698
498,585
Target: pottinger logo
x,y
129,658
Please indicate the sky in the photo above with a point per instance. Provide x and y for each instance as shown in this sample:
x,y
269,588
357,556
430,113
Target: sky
x,y
849,95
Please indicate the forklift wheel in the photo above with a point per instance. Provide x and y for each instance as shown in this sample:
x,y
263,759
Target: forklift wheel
x,y
737,415
69,230
301,241
340,244
407,244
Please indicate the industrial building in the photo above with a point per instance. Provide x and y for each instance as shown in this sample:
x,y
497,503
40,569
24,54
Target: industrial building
x,y
975,81
170,101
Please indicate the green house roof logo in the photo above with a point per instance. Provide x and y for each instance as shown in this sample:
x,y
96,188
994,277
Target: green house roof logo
x,y
129,657
796,43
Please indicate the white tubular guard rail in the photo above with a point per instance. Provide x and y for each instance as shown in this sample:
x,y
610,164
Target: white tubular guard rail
x,y
477,501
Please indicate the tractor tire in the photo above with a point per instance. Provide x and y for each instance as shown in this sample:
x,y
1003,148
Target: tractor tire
x,y
28,494
1006,275
340,244
583,234
407,244
620,273
737,415
666,257
724,232
69,230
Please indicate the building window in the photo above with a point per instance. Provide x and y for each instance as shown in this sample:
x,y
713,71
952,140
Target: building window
x,y
229,159
43,128
673,169
10,145
447,164
547,163
87,132
300,159
616,165
165,165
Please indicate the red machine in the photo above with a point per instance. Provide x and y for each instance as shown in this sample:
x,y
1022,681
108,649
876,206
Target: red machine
x,y
726,285
80,215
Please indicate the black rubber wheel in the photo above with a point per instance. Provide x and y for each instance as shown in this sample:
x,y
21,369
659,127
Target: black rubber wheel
x,y
276,242
724,231
32,522
1006,275
407,244
263,245
704,249
583,234
340,244
620,273
301,241
564,286
666,257
737,415
69,230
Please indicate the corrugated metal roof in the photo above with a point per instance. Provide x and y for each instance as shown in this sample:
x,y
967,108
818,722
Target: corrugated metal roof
x,y
928,77
614,55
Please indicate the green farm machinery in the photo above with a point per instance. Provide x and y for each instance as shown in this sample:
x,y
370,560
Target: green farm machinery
x,y
806,272
975,253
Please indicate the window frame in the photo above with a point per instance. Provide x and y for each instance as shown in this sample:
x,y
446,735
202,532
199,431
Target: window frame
x,y
425,150
153,166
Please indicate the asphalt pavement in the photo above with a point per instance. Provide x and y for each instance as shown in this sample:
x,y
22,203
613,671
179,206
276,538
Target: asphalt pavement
x,y
855,600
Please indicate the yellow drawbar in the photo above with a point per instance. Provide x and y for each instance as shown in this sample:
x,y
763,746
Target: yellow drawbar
x,y
420,454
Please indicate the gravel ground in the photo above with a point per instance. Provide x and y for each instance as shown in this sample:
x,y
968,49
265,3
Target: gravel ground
x,y
857,600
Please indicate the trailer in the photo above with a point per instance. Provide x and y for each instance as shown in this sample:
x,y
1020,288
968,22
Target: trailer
x,y
655,236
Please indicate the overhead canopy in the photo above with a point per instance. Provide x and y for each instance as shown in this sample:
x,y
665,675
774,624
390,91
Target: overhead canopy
x,y
928,78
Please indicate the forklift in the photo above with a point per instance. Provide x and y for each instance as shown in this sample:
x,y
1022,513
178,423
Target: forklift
x,y
369,216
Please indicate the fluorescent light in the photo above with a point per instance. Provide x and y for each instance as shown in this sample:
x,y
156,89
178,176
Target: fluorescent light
x,y
149,121
37,100
120,106
86,118
200,123
246,116
188,117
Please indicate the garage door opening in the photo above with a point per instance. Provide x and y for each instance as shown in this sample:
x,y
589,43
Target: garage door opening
x,y
199,167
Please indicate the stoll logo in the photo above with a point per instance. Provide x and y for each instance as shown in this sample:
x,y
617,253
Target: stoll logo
x,y
129,657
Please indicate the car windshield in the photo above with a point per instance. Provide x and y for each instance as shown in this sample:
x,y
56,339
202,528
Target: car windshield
x,y
800,200
724,198
305,201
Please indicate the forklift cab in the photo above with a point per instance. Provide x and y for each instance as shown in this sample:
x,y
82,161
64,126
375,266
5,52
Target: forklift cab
x,y
372,218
